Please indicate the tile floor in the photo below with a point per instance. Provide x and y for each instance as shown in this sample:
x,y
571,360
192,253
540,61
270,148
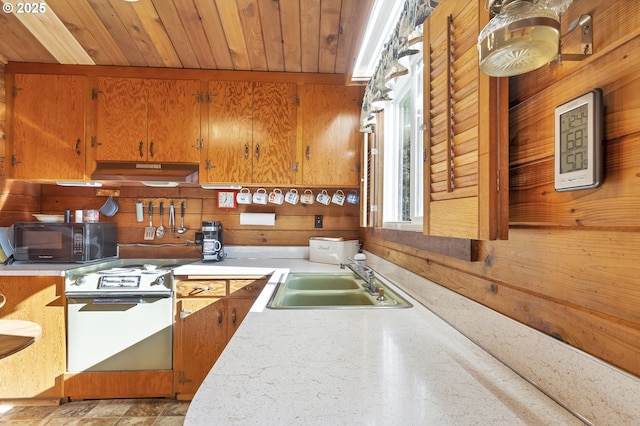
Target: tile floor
x,y
138,412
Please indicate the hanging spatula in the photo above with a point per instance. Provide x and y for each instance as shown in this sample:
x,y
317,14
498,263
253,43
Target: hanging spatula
x,y
150,231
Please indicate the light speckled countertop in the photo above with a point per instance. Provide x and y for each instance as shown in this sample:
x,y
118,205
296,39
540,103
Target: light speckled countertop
x,y
359,367
37,269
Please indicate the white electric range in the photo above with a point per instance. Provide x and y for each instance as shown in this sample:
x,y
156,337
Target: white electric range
x,y
120,315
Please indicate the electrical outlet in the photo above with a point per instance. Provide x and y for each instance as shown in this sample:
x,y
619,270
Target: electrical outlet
x,y
318,223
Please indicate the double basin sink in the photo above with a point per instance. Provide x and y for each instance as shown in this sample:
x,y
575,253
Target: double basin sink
x,y
332,291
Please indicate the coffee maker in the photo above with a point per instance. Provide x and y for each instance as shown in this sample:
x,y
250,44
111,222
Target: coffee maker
x,y
212,242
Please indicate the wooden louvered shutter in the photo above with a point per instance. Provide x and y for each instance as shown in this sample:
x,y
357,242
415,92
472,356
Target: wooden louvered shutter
x,y
466,129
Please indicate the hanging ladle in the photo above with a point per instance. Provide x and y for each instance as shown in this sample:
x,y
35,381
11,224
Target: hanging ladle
x,y
160,230
182,229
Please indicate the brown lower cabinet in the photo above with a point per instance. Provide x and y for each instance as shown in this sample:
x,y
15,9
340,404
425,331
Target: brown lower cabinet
x,y
35,372
208,312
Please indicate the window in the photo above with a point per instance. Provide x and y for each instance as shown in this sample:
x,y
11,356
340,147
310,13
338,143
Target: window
x,y
402,151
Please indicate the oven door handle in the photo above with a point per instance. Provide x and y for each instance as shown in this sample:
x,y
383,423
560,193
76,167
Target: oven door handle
x,y
118,301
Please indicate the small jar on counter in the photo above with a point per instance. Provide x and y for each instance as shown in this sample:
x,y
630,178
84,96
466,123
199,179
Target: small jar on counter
x,y
91,216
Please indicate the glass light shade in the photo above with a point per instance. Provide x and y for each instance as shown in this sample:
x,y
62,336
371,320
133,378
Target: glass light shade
x,y
521,38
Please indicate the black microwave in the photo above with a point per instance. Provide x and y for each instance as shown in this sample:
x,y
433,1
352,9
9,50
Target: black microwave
x,y
65,242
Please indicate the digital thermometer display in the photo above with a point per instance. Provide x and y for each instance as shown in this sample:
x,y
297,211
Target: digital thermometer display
x,y
578,143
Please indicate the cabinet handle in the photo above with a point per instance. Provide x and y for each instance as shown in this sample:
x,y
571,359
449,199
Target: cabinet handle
x,y
140,146
220,317
78,147
233,317
307,153
95,93
3,300
246,151
151,149
257,151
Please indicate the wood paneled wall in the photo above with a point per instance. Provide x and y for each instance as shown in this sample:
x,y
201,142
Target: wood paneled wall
x,y
293,227
570,265
2,120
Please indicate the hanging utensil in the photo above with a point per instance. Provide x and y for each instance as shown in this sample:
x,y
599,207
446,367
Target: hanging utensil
x,y
150,231
172,219
182,229
160,230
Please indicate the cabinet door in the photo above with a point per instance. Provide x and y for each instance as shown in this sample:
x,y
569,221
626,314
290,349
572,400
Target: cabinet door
x,y
173,121
37,371
274,133
237,309
48,127
466,141
200,336
330,135
230,147
120,119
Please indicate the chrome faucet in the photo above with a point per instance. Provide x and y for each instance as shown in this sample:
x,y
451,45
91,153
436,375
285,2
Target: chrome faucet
x,y
364,272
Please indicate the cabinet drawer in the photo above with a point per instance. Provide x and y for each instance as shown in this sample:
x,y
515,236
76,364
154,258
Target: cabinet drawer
x,y
201,288
246,288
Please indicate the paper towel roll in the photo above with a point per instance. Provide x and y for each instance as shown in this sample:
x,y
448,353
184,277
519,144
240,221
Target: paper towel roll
x,y
266,219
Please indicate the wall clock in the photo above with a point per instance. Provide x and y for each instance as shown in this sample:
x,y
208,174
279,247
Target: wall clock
x,y
578,143
227,199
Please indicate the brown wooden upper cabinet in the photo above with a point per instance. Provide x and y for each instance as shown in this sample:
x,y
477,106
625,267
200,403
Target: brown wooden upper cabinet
x,y
148,120
330,135
252,133
466,129
46,132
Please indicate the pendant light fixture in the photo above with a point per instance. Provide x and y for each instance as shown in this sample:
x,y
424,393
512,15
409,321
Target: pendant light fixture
x,y
522,37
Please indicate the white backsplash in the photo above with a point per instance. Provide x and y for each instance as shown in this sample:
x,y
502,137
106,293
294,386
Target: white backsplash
x,y
267,252
595,391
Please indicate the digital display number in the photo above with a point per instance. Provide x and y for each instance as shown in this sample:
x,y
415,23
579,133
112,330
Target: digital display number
x,y
573,140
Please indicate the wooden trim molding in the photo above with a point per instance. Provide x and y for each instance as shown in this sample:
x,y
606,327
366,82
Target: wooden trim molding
x,y
458,248
174,73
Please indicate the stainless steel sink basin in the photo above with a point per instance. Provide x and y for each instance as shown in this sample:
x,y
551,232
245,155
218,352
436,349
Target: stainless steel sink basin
x,y
331,291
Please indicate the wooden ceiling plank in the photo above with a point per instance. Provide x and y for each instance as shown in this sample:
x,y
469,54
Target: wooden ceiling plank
x,y
272,33
290,23
81,20
295,36
18,44
348,19
215,33
253,34
5,51
154,27
116,28
329,35
54,36
127,13
176,33
230,19
192,24
310,30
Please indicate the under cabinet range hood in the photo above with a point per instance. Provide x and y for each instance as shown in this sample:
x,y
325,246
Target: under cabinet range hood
x,y
121,171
